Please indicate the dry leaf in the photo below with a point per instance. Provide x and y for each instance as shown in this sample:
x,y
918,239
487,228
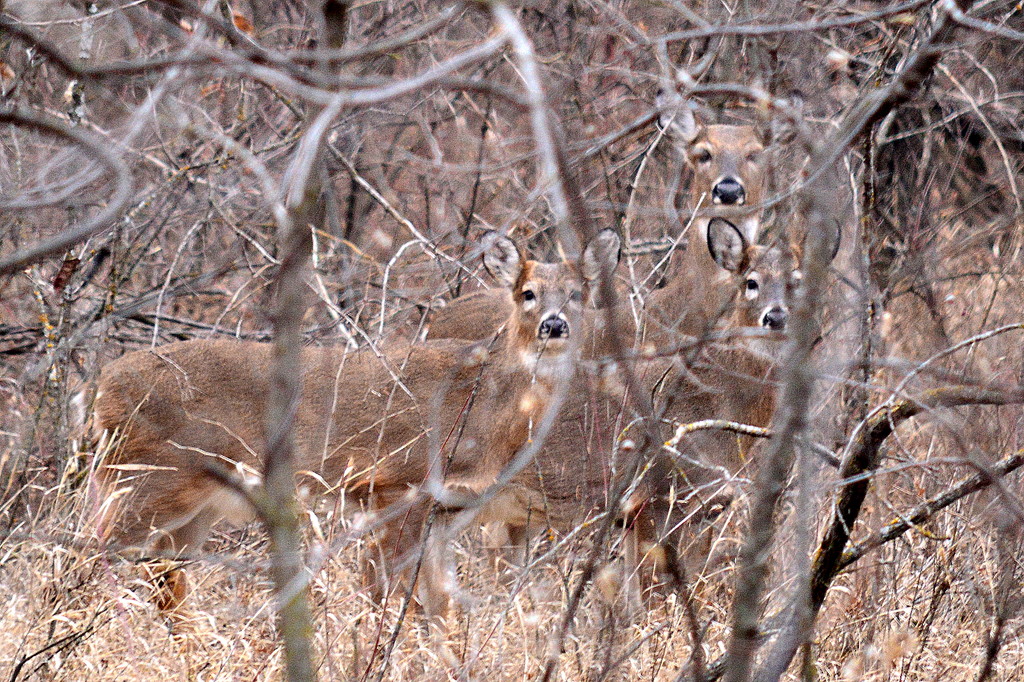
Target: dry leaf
x,y
67,269
904,19
242,23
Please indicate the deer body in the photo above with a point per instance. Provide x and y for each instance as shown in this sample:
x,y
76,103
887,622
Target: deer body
x,y
211,396
576,471
374,425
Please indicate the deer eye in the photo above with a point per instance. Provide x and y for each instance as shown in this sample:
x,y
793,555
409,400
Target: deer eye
x,y
528,295
703,155
752,157
576,296
751,287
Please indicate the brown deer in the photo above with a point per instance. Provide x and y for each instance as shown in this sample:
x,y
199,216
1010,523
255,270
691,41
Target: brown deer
x,y
728,165
728,169
365,422
574,474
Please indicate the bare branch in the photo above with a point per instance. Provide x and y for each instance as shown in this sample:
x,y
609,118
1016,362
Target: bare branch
x,y
926,510
798,375
115,206
550,179
793,27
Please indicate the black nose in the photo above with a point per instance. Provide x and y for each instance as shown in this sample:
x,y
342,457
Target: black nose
x,y
553,328
728,191
775,318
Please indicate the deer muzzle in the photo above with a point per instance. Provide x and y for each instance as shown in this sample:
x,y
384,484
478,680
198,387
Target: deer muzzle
x,y
554,326
728,191
775,318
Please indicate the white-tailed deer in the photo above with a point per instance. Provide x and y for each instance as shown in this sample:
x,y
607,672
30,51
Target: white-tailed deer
x,y
728,165
475,316
731,379
728,169
365,422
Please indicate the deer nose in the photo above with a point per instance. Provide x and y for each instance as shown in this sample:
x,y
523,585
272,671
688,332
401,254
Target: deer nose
x,y
553,327
728,191
775,318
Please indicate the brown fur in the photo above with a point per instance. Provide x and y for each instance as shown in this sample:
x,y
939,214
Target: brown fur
x,y
179,406
576,470
698,291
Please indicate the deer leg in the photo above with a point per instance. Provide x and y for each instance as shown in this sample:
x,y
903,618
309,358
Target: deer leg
x,y
507,528
170,581
406,557
626,587
507,545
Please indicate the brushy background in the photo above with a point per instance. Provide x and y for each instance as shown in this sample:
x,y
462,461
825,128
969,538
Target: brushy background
x,y
932,250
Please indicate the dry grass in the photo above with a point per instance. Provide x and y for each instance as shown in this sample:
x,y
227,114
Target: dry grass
x,y
919,609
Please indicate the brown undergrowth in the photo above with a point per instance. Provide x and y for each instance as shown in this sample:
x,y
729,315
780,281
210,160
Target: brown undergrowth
x,y
77,613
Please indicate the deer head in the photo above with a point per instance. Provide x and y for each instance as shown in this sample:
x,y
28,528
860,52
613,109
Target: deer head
x,y
548,297
728,164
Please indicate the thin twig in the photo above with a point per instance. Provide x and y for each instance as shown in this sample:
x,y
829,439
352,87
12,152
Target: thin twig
x,y
116,205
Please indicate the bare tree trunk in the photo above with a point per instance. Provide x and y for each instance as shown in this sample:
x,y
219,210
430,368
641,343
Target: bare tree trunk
x,y
281,512
306,212
799,375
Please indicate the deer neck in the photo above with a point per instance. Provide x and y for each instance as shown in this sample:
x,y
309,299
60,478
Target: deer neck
x,y
763,353
610,331
696,295
523,382
518,353
748,223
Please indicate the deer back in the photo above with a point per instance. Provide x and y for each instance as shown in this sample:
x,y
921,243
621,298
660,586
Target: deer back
x,y
471,316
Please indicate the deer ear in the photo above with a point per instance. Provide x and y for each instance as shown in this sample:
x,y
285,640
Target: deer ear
x,y
602,252
835,238
676,117
777,130
727,244
501,258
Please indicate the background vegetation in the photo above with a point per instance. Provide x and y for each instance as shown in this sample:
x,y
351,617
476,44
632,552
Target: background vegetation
x,y
160,137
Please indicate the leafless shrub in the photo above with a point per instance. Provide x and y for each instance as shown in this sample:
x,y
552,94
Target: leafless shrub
x,y
145,156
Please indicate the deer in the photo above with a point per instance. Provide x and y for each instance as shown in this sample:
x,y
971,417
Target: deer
x,y
684,487
728,165
364,423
